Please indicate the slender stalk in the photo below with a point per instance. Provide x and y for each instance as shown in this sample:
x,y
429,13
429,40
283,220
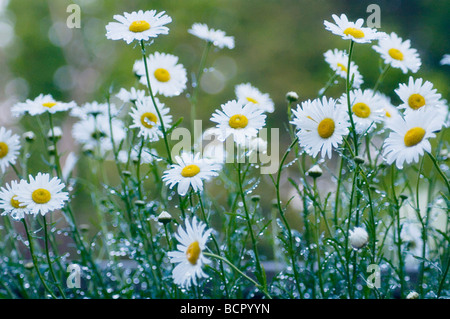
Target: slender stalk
x,y
347,89
380,77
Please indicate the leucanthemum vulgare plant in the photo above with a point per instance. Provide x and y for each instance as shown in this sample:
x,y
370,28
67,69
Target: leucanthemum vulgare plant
x,y
189,222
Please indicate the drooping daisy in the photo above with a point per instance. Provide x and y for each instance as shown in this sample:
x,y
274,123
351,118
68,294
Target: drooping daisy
x,y
42,194
391,113
146,155
322,126
9,203
166,76
245,93
130,96
189,254
191,170
240,121
141,25
41,104
217,37
398,53
352,30
95,132
418,95
410,136
145,118
9,148
338,61
366,109
93,109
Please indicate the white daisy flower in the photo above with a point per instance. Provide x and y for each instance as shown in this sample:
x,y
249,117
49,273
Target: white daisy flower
x,y
166,76
445,59
41,104
189,254
145,118
322,126
418,95
215,149
391,113
409,137
398,53
190,171
358,237
352,30
9,203
411,235
240,121
94,132
141,25
246,93
9,148
130,96
93,109
217,37
338,61
366,109
42,194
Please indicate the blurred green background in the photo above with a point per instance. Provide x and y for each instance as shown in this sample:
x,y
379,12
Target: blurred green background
x,y
279,48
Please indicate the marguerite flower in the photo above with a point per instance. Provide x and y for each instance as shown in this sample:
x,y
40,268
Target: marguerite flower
x,y
418,95
42,194
240,121
215,149
245,93
41,104
338,61
138,26
398,53
358,237
366,109
147,155
130,96
445,59
352,30
217,37
391,113
322,126
166,76
9,203
94,109
95,132
191,170
409,137
189,256
145,118
9,148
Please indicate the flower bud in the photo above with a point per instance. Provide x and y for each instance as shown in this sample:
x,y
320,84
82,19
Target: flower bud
x,y
29,136
165,217
139,203
358,237
412,295
359,160
315,171
55,133
292,96
51,150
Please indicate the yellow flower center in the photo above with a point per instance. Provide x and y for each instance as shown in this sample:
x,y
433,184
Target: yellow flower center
x,y
49,104
414,136
139,26
361,110
190,170
238,121
147,118
162,75
396,54
388,114
3,149
193,252
41,196
326,128
416,101
250,99
342,67
356,33
15,203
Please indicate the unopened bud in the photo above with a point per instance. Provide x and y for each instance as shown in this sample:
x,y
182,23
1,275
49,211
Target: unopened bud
x,y
292,97
56,133
29,136
315,171
165,217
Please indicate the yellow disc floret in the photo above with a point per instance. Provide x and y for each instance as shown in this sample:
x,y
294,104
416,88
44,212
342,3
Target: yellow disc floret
x,y
190,170
162,75
41,196
193,252
396,54
147,118
3,149
15,203
49,104
356,33
326,128
139,26
238,121
416,101
361,110
414,136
